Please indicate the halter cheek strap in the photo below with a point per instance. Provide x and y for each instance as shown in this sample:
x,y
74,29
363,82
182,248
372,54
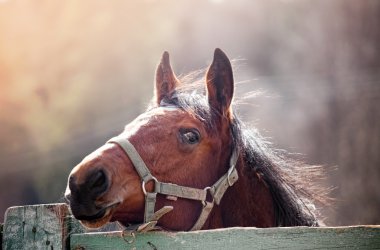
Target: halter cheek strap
x,y
151,217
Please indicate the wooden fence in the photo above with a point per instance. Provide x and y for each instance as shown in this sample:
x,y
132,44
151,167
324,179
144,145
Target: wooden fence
x,y
51,227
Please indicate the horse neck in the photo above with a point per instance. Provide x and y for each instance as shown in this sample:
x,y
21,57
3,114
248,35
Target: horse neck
x,y
247,203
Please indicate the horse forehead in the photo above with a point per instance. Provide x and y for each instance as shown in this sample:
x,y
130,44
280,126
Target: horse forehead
x,y
160,113
156,116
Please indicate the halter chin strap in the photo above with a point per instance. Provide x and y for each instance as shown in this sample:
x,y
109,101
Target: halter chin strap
x,y
151,217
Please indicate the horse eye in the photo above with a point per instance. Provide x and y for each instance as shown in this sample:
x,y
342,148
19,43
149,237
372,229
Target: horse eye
x,y
190,136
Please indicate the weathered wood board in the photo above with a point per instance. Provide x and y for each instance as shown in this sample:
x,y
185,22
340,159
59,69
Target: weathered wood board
x,y
359,237
38,227
51,226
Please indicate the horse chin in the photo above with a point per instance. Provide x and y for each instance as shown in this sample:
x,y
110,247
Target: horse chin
x,y
99,222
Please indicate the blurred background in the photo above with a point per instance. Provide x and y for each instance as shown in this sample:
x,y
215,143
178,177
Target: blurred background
x,y
73,73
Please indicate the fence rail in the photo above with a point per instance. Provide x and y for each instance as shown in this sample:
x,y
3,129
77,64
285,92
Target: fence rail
x,y
51,226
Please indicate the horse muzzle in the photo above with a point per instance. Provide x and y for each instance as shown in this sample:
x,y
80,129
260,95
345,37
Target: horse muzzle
x,y
84,194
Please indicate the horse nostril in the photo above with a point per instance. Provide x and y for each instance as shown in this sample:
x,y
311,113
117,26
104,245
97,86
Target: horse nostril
x,y
97,181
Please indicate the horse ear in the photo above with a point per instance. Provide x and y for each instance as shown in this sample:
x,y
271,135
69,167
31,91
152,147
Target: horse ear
x,y
220,83
166,81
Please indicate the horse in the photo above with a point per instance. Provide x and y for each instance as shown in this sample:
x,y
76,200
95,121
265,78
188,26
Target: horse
x,y
189,163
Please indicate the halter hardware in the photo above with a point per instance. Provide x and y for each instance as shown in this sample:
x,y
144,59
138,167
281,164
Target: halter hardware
x,y
151,217
143,184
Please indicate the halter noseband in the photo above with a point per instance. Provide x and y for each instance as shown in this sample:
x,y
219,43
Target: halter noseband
x,y
151,217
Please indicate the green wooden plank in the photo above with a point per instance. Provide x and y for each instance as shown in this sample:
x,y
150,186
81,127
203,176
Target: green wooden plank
x,y
51,226
358,237
38,227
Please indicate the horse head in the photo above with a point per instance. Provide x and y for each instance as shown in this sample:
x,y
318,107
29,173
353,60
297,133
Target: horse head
x,y
189,149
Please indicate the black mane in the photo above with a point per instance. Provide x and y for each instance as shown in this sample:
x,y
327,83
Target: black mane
x,y
290,182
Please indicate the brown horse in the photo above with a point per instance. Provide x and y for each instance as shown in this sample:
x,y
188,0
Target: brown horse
x,y
189,163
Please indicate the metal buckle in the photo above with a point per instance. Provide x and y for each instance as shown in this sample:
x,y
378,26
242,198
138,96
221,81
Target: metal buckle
x,y
143,184
207,189
131,234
